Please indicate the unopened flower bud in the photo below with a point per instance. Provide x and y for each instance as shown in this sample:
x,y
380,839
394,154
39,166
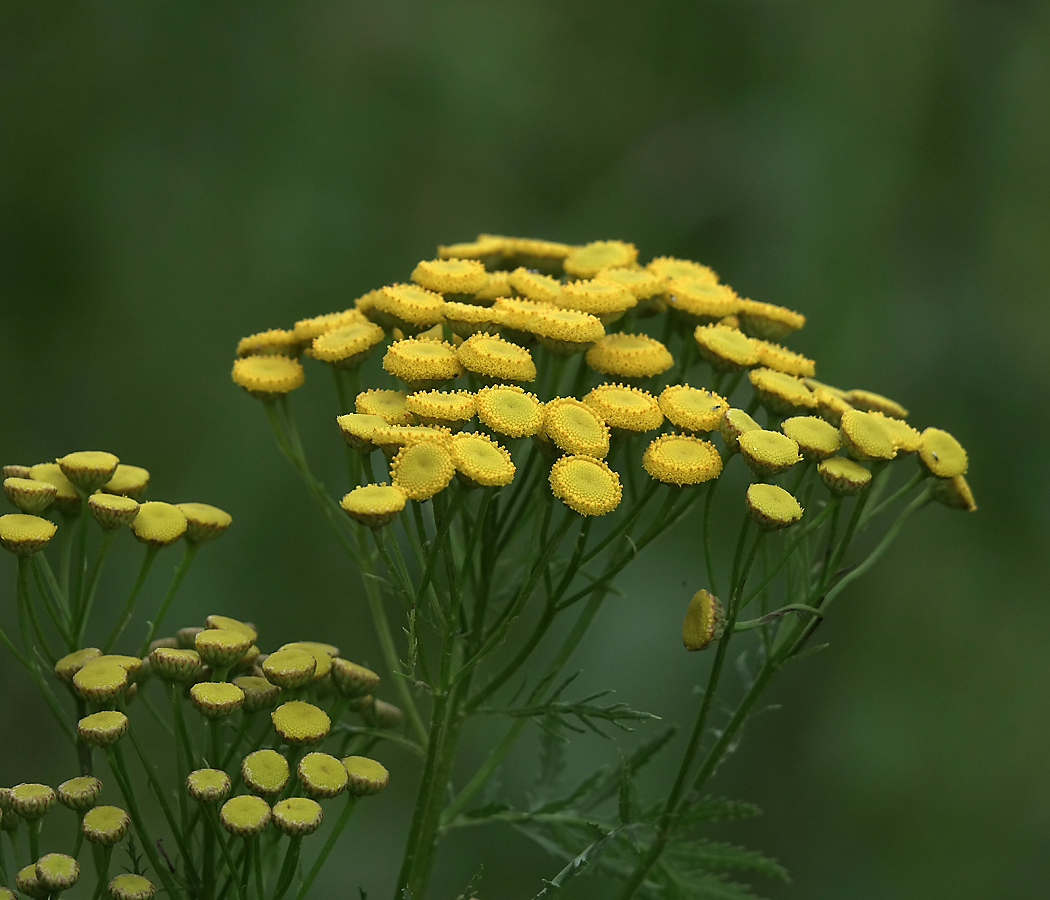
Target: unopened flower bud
x,y
772,507
102,728
30,496
704,621
322,776
265,772
298,722
112,511
297,816
220,648
105,825
208,785
131,887
180,666
25,535
290,668
57,872
258,692
32,801
216,699
366,776
352,680
245,816
80,793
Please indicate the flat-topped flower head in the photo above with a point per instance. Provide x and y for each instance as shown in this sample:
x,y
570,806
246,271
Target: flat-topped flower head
x,y
71,663
642,283
28,495
735,422
366,776
175,665
692,409
842,476
422,363
159,524
940,454
25,535
487,249
533,253
781,394
216,699
704,621
831,403
102,728
629,356
535,285
67,499
872,402
265,772
32,801
480,461
222,647
518,315
771,507
625,409
9,819
297,816
245,816
258,692
670,268
298,722
13,470
358,429
422,469
449,408
105,825
905,438
27,882
410,307
112,511
306,330
101,681
131,887
391,438
566,331
273,342
374,505
128,481
575,427
816,438
267,377
605,299
865,436
954,493
349,346
496,359
768,452
353,680
465,319
216,621
208,785
699,299
773,356
322,776
290,668
681,459
768,321
586,485
497,286
451,276
57,872
509,410
588,260
80,793
88,470
389,405
204,522
726,349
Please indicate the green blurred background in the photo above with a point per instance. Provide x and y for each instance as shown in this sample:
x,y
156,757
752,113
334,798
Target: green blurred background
x,y
174,176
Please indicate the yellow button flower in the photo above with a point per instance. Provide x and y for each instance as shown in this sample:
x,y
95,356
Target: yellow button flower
x,y
816,438
265,772
605,299
772,507
25,535
628,409
735,422
510,410
566,331
954,493
872,402
358,429
725,348
30,496
366,776
349,346
773,356
374,505
204,523
779,393
670,268
941,454
102,728
105,825
322,776
768,452
216,699
128,481
275,341
480,461
131,887
681,459
389,405
466,319
769,321
422,363
588,260
535,286
586,485
692,409
208,785
450,276
258,692
449,408
245,816
88,469
306,330
643,283
704,621
353,680
67,500
422,469
297,816
575,427
496,359
289,669
81,793
629,356
843,477
112,511
701,299
866,437
410,306
267,377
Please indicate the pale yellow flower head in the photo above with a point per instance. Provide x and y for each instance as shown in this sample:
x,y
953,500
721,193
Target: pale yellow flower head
x,y
466,319
410,306
353,680
322,776
358,430
258,692
306,330
128,481
704,621
588,260
131,887
768,321
389,405
69,665
566,331
864,436
267,377
25,535
772,507
422,469
112,511
487,249
31,800
422,363
622,355
642,283
28,495
605,299
941,454
509,410
773,356
450,408
768,452
670,268
872,402
535,286
625,409
451,276
498,285
80,793
208,785
88,470
67,499
265,772
57,872
842,476
366,776
159,524
681,459
692,409
905,438
245,816
727,349
698,298
586,485
298,722
204,523
175,664
216,621
816,438
496,359
735,422
275,341
297,816
102,728
575,427
349,346
290,668
105,825
781,394
220,648
374,505
216,699
480,461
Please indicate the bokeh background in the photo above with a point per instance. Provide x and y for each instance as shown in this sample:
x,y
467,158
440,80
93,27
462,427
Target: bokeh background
x,y
174,176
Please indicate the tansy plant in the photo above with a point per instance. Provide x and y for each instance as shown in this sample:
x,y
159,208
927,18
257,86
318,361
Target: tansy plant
x,y
522,419
263,743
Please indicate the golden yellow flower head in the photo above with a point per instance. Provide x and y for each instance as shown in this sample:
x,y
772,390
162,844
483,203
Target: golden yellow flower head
x,y
535,286
954,493
772,507
566,331
422,469
769,321
297,816
872,402
25,535
629,356
496,359
642,283
626,409
353,680
80,793
357,430
29,496
480,461
681,459
220,648
509,410
245,816
588,260
265,772
112,511
266,377
843,477
100,681
586,485
605,299
349,346
159,524
32,801
389,405
410,307
466,319
57,872
88,470
366,776
131,887
102,728
322,776
905,438
451,276
735,422
374,505
768,452
864,436
727,349
69,665
105,825
258,692
816,438
204,523
422,363
208,785
940,454
179,666
498,285
517,315
575,427
670,268
306,330
390,438
692,409
216,621
290,669
487,249
450,408
274,342
831,403
698,298
779,393
704,621
773,356
128,481
67,500
216,699
298,722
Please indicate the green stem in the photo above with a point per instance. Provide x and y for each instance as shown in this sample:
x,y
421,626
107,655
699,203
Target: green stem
x,y
333,836
83,612
103,855
187,557
54,604
33,827
211,816
27,614
291,863
129,605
